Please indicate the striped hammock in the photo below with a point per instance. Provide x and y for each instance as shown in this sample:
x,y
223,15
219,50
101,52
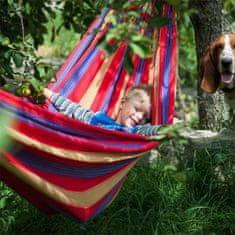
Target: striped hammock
x,y
63,165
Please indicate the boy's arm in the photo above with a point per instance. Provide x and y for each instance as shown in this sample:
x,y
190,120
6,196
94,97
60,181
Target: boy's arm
x,y
68,107
158,132
147,129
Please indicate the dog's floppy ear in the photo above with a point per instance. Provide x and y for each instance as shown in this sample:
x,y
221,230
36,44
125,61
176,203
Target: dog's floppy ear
x,y
208,73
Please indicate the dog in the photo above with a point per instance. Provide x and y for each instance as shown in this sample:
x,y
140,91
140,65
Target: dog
x,y
217,68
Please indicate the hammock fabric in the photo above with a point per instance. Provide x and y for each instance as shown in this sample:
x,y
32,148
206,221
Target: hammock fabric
x,y
63,165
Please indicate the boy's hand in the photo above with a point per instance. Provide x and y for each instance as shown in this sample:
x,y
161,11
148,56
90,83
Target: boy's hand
x,y
48,93
168,131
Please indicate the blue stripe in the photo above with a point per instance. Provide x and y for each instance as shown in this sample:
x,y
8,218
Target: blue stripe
x,y
110,92
166,75
79,73
45,165
139,72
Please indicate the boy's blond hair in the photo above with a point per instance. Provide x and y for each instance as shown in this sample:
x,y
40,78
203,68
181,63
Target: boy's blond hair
x,y
134,91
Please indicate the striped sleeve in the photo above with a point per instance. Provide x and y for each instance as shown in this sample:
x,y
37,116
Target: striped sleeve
x,y
71,109
147,129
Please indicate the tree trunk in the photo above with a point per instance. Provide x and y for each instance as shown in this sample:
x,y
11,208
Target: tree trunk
x,y
208,22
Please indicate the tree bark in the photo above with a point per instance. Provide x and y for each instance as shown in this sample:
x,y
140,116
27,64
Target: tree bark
x,y
208,22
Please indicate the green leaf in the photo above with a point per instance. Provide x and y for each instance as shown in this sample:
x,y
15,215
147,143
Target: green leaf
x,y
27,8
44,71
133,13
18,59
37,85
128,64
5,41
170,167
110,36
174,3
7,55
3,202
159,21
139,49
140,38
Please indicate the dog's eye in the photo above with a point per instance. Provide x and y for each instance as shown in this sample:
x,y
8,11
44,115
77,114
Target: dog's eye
x,y
219,46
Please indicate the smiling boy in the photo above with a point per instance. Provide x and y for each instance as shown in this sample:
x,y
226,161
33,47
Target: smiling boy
x,y
133,116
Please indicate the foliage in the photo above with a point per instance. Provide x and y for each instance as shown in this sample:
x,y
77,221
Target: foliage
x,y
21,71
229,6
126,24
9,208
22,28
187,52
194,195
23,74
54,47
79,14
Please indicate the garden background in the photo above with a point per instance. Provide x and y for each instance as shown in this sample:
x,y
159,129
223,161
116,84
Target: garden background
x,y
191,193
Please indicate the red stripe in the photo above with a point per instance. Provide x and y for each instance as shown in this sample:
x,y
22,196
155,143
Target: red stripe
x,y
68,143
108,78
145,72
162,43
116,94
80,89
121,85
173,73
132,77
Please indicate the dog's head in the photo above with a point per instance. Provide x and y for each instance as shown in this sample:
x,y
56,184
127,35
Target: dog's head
x,y
217,67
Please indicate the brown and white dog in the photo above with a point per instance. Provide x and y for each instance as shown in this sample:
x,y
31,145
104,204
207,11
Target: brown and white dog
x,y
217,68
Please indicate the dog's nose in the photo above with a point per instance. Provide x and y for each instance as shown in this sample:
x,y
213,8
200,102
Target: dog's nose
x,y
226,61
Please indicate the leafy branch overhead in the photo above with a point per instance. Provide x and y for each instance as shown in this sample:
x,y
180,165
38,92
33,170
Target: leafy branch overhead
x,y
23,27
129,26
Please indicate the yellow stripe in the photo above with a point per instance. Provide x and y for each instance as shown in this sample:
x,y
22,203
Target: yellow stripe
x,y
73,155
78,199
90,94
121,95
154,74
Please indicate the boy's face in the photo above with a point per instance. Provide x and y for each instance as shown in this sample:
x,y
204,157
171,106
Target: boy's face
x,y
135,110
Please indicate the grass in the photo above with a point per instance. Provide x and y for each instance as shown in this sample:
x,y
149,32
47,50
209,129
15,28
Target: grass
x,y
153,200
